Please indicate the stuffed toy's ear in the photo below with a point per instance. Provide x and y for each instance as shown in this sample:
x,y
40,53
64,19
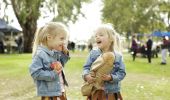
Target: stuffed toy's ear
x,y
108,57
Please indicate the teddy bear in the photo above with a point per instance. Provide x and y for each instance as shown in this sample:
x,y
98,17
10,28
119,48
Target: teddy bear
x,y
102,65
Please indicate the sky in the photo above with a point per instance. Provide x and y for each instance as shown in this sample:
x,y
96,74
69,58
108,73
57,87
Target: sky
x,y
84,27
81,30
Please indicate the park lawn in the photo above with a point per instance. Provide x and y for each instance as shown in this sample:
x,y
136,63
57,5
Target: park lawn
x,y
143,81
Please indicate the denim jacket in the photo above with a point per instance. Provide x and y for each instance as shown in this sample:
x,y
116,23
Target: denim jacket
x,y
47,80
118,73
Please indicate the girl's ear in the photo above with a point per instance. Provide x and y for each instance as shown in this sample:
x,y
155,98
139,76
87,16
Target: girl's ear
x,y
49,37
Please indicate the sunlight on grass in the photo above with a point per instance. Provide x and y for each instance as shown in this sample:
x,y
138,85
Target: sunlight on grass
x,y
144,81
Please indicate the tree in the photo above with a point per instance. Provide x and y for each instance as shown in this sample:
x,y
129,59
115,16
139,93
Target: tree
x,y
133,15
165,9
28,12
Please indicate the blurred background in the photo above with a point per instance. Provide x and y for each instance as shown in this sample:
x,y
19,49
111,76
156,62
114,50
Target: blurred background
x,y
140,18
136,21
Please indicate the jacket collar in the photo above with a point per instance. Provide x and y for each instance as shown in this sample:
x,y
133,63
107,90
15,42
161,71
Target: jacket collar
x,y
45,49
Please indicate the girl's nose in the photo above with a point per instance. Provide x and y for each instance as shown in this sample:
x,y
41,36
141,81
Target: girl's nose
x,y
97,37
64,42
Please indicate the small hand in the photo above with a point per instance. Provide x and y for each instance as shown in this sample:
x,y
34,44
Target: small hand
x,y
57,66
89,79
106,77
58,71
65,50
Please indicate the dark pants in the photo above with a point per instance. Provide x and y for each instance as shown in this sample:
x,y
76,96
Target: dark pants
x,y
149,55
134,54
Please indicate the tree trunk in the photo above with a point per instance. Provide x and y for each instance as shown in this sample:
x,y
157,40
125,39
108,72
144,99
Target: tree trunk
x,y
28,22
29,29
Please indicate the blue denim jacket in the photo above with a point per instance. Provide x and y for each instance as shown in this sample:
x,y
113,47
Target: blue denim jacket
x,y
118,73
46,79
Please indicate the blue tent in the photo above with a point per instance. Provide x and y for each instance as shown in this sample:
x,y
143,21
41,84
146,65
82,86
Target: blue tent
x,y
166,34
157,33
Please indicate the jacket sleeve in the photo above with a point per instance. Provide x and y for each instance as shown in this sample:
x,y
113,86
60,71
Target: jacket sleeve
x,y
118,73
38,72
87,65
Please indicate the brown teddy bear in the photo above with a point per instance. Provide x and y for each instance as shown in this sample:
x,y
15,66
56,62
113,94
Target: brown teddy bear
x,y
102,65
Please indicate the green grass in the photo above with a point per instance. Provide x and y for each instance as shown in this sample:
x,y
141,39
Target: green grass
x,y
141,65
143,81
14,65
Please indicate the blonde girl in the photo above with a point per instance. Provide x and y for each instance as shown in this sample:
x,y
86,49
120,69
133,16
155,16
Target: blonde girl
x,y
49,57
107,40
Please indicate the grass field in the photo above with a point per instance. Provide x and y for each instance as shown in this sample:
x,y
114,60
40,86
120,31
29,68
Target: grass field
x,y
144,81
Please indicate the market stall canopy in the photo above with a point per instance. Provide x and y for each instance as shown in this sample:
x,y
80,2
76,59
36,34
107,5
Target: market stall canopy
x,y
5,28
166,34
157,33
160,34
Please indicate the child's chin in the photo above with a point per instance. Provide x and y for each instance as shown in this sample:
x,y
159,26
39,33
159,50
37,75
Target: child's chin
x,y
99,46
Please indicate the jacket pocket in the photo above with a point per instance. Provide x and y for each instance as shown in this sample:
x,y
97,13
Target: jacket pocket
x,y
51,86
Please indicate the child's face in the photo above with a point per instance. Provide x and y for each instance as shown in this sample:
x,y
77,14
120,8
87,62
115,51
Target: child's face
x,y
102,40
57,42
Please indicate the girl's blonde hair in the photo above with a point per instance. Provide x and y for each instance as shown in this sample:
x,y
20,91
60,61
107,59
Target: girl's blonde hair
x,y
52,28
113,36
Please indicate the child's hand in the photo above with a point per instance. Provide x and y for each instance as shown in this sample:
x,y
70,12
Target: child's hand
x,y
58,71
89,79
106,77
57,66
65,50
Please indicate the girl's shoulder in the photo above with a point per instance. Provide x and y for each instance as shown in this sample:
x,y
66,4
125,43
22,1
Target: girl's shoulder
x,y
95,52
41,54
118,55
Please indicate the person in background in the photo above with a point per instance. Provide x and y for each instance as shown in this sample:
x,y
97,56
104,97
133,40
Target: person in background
x,y
2,47
90,46
19,41
155,49
164,50
149,49
134,47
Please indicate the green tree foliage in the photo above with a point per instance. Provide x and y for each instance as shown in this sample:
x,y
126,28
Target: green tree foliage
x,y
28,12
165,9
136,16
